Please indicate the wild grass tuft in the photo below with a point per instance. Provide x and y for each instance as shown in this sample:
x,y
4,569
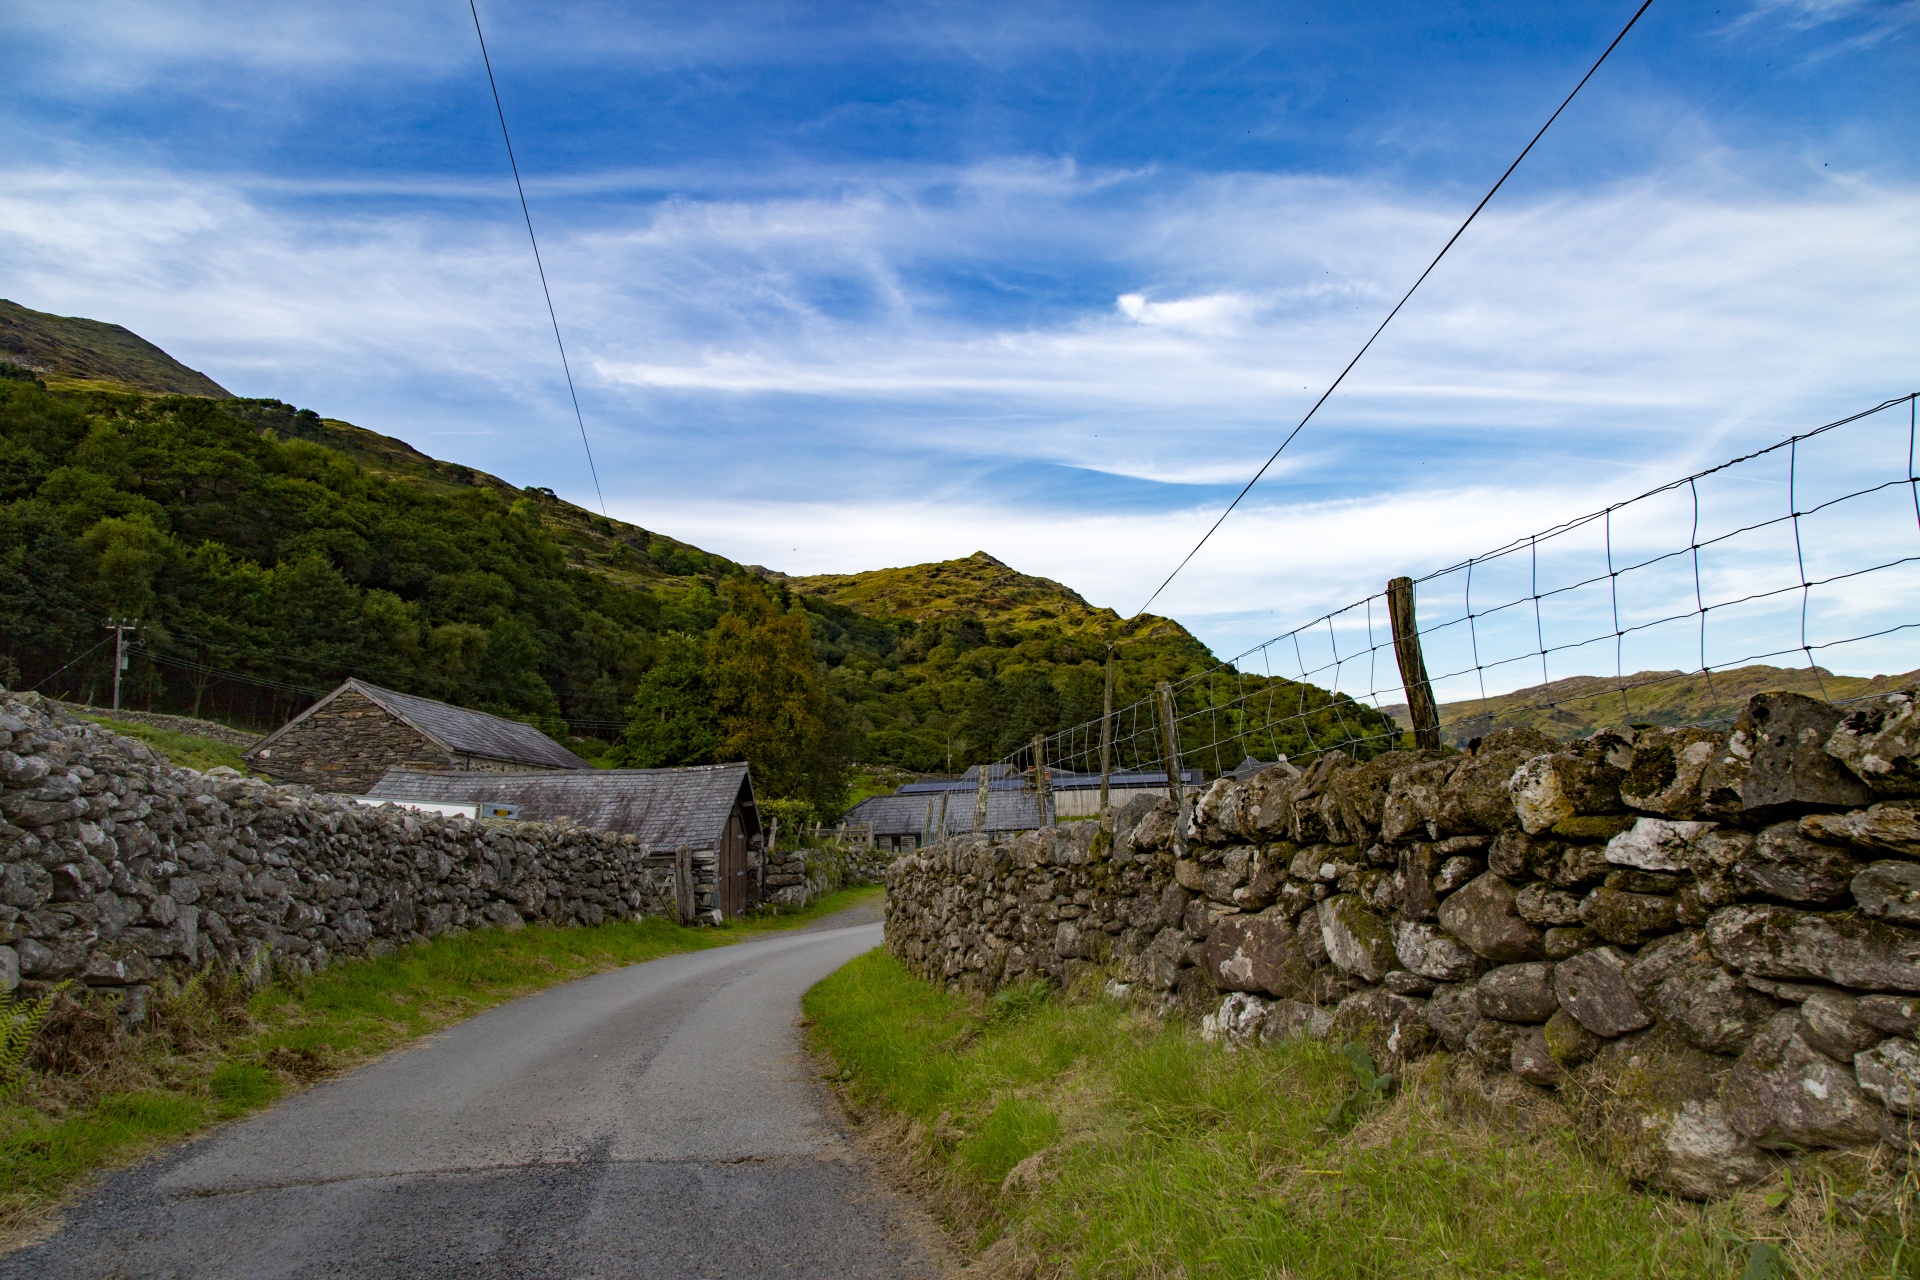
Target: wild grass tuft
x,y
1089,1140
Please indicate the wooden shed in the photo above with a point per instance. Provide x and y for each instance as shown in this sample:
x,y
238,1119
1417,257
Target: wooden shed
x,y
708,810
349,739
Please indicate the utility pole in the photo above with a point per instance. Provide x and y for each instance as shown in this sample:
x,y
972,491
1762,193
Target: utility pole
x,y
1106,733
120,627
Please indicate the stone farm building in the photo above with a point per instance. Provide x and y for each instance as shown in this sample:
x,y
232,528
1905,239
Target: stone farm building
x,y
348,740
708,810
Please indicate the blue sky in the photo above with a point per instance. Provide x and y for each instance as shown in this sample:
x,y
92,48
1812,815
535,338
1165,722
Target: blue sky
x,y
857,285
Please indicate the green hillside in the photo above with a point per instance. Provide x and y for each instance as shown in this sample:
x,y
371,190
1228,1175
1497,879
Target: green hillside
x,y
1580,704
269,552
67,347
946,664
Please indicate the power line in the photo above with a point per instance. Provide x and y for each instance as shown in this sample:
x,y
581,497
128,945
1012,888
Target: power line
x,y
1396,307
538,264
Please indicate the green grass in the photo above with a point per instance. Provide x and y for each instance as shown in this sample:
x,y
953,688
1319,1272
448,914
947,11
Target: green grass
x,y
1168,1156
214,1052
185,749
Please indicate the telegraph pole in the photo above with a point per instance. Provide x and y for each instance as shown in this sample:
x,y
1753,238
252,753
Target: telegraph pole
x,y
120,627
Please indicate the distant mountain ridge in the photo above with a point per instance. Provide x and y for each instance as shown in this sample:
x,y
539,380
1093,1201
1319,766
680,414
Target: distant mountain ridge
x,y
94,351
1579,705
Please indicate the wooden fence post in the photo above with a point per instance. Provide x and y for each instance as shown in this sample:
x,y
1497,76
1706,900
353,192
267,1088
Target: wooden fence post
x,y
1040,781
683,883
1413,665
1170,735
1106,734
980,801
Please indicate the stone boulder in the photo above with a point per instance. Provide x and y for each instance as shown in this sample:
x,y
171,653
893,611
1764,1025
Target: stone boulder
x,y
1412,800
1289,1018
1476,795
1628,918
1541,904
1453,1011
1832,1024
1593,988
1788,769
1667,768
1880,744
1357,940
1255,953
1570,1043
1843,948
1884,828
1706,1157
1518,992
1533,1062
1428,951
1657,844
1483,915
1492,1042
1889,891
1783,1093
1239,1020
1692,993
1551,788
1360,793
1890,1074
1785,864
1393,1028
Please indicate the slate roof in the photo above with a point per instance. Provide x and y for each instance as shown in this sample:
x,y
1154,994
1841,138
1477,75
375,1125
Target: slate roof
x,y
665,808
457,729
906,815
1058,779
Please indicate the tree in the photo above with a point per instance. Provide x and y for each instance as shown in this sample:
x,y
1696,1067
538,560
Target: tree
x,y
771,704
669,721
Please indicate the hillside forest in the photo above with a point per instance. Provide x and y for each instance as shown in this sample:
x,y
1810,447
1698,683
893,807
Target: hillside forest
x,y
267,553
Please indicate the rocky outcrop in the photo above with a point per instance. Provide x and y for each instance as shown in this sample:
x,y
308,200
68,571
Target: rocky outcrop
x,y
1715,934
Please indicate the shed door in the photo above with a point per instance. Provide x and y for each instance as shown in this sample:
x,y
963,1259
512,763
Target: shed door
x,y
736,883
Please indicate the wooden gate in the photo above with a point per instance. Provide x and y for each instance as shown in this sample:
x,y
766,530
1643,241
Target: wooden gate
x,y
736,879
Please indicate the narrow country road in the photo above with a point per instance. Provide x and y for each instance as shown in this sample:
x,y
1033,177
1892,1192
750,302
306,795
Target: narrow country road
x,y
658,1121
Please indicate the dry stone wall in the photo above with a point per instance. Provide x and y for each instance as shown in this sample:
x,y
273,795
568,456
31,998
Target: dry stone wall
x,y
115,866
1713,938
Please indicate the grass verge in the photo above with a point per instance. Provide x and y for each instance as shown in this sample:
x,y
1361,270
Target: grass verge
x,y
1086,1139
185,749
97,1097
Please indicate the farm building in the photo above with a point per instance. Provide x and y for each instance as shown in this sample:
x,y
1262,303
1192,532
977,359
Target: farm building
x,y
907,818
708,810
349,739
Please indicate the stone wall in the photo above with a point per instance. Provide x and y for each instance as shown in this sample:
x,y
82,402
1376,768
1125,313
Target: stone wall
x,y
1710,939
797,876
233,737
115,866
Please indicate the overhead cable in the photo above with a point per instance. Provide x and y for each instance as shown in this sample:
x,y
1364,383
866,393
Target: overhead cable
x,y
1396,309
538,264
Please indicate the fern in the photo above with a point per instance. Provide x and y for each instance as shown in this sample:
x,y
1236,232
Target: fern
x,y
22,1024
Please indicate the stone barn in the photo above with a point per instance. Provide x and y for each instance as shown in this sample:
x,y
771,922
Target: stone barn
x,y
707,810
349,739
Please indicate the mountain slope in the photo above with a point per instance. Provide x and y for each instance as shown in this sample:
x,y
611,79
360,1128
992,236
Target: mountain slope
x,y
268,552
70,347
1580,704
948,664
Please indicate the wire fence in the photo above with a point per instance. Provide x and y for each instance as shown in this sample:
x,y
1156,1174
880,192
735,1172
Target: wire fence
x,y
1647,611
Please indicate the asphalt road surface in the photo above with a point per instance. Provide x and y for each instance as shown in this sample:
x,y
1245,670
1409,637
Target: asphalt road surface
x,y
658,1121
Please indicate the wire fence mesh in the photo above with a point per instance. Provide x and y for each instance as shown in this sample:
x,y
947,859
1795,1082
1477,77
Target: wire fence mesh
x,y
1649,610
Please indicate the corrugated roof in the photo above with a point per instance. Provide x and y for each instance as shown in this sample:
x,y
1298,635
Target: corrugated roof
x,y
1058,779
455,728
664,808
